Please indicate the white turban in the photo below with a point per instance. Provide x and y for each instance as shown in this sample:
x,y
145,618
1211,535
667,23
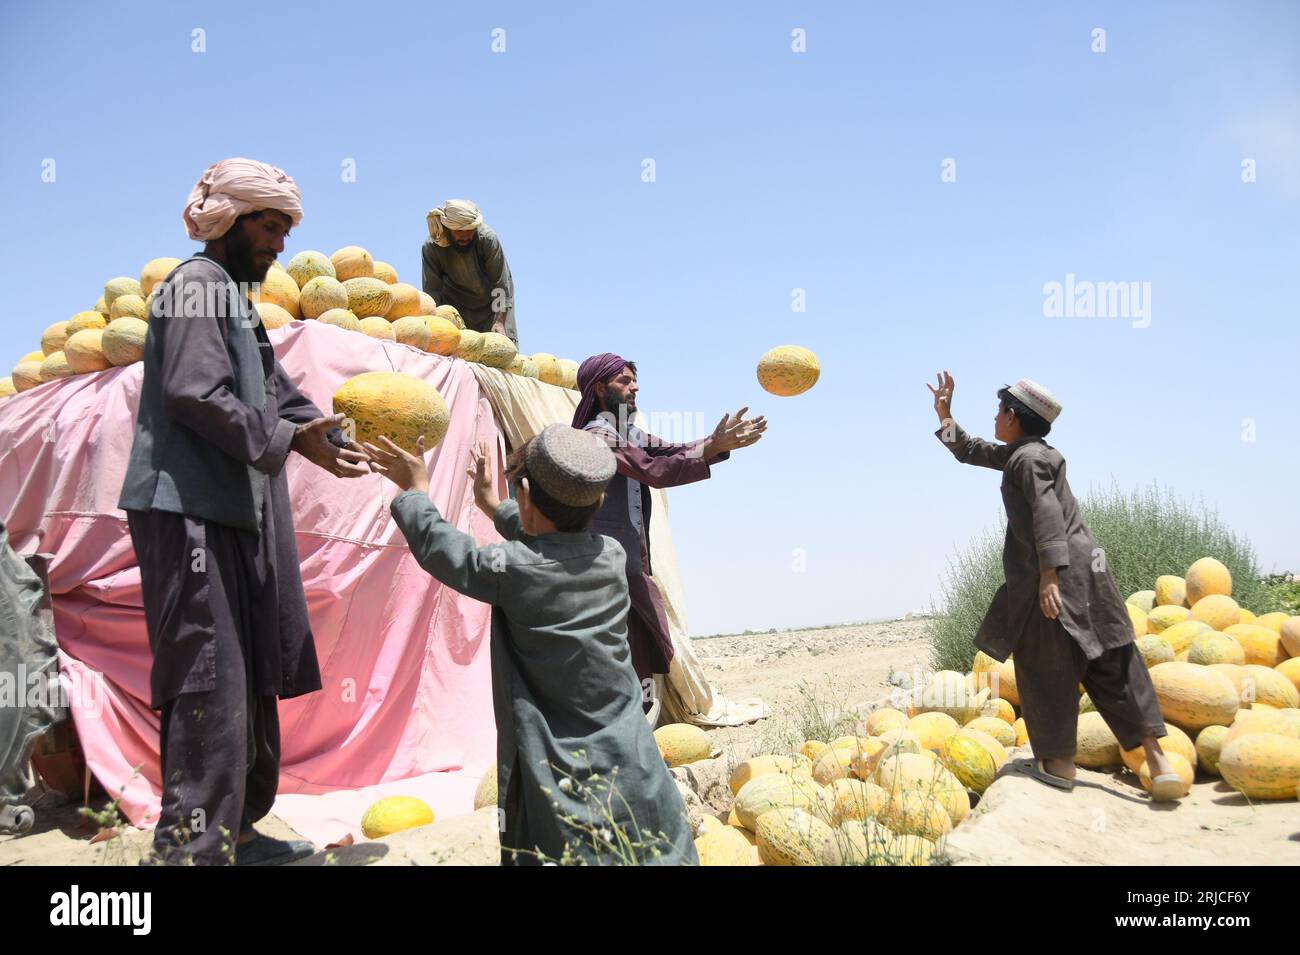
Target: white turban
x,y
235,187
460,214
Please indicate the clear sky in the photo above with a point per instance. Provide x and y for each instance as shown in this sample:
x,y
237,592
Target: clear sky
x,y
774,170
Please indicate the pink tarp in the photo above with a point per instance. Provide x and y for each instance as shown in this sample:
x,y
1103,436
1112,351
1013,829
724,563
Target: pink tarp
x,y
407,698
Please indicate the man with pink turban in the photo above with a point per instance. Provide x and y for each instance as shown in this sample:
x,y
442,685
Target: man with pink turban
x,y
208,509
609,388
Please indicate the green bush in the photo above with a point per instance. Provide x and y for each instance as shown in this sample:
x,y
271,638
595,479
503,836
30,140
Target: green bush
x,y
1143,533
1280,594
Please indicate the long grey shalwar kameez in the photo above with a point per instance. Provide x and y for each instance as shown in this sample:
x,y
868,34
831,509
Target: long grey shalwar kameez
x,y
1092,641
208,508
473,279
567,701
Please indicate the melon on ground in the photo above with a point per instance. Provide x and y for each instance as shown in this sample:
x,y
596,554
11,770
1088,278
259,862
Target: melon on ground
x,y
724,846
794,765
1154,649
933,728
486,793
999,729
1247,616
394,814
1022,732
121,285
771,791
790,837
1214,647
406,302
1273,621
835,763
128,306
385,273
55,366
1095,745
85,353
81,321
279,289
1282,722
26,375
1002,681
788,370
854,799
1180,635
1209,744
1265,685
413,331
1193,696
368,296
948,692
909,812
342,318
154,271
1144,600
1171,591
321,294
682,743
1262,765
310,264
995,749
272,315
1174,741
886,718
812,749
1138,618
998,709
1218,611
914,773
399,406
1289,632
1236,674
377,327
1291,670
1186,772
496,351
1165,616
1205,577
352,262
1260,645
970,762
123,341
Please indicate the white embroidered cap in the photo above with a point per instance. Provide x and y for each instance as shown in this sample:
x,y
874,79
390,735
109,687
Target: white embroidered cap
x,y
1037,398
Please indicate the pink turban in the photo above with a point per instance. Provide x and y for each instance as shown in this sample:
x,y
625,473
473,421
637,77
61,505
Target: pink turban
x,y
596,368
235,187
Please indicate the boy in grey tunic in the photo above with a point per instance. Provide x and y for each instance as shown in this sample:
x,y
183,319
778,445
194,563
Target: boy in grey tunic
x,y
579,774
1060,610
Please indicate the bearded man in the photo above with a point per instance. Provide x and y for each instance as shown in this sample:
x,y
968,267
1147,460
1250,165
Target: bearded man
x,y
208,509
465,267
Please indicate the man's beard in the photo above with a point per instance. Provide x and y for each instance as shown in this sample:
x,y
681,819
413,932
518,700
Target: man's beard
x,y
464,246
241,262
620,411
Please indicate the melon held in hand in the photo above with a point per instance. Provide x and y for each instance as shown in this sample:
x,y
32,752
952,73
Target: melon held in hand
x,y
394,404
788,370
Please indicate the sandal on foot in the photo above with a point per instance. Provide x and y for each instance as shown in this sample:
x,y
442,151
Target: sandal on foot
x,y
1037,770
263,850
1167,787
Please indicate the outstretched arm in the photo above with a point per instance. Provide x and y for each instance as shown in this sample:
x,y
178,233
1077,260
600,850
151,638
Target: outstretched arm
x,y
964,448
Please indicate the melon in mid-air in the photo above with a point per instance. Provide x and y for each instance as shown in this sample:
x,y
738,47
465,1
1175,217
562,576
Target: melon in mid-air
x,y
399,406
788,370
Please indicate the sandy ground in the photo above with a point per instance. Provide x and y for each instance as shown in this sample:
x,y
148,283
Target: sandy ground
x,y
1107,820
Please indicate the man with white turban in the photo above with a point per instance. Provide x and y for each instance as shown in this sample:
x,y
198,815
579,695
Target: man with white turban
x,y
208,509
464,266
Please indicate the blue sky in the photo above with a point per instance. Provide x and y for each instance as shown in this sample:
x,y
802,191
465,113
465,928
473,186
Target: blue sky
x,y
774,171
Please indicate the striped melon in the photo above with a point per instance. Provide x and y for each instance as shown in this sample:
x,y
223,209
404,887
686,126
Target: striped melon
x,y
427,304
352,262
413,331
496,350
1192,696
128,306
909,812
1174,741
1262,765
385,273
320,294
1205,577
1218,611
1165,616
724,846
406,301
1273,621
1214,647
390,403
1155,649
55,366
854,799
997,752
79,322
1095,745
1209,744
1265,685
790,837
856,843
1180,635
342,318
368,296
910,772
1171,591
1289,632
771,791
1291,670
682,743
85,353
933,728
305,266
548,368
1260,645
888,718
1143,600
451,314
1138,618
1282,722
154,271
998,729
788,370
486,793
272,315
471,345
377,327
970,762
1236,674
280,289
444,337
1178,762
121,286
394,814
26,374
795,765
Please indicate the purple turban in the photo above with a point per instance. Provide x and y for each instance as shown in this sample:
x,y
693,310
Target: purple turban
x,y
596,368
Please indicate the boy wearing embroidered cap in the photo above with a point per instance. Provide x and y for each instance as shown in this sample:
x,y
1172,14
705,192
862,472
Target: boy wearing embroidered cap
x,y
570,729
1060,611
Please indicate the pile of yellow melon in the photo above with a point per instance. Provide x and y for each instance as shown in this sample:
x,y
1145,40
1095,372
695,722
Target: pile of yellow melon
x,y
349,290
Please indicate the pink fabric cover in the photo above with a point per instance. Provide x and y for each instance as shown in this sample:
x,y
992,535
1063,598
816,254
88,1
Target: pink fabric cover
x,y
404,660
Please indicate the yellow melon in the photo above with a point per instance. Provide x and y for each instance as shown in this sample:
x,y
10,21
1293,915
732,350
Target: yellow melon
x,y
1155,649
1246,616
1209,744
444,337
1022,732
1291,670
788,370
471,345
933,728
486,793
154,271
812,749
915,813
385,273
1180,635
1174,741
888,718
1260,645
36,356
79,322
7,389
352,262
1194,696
1138,618
272,315
406,302
997,752
970,762
101,306
1095,745
128,306
320,294
1217,610
868,757
26,375
523,366
85,353
394,404
1272,620
1186,773
548,368
310,264
412,330
762,794
835,763
854,799
451,314
790,837
724,846
55,366
1289,632
1262,765
1236,674
427,304
496,351
393,814
368,296
123,341
1262,720
1171,591
793,765
341,318
1143,600
999,729
1205,577
912,773
1165,616
682,743
1002,682
377,327
280,289
569,369
1264,685
1214,647
121,286
998,709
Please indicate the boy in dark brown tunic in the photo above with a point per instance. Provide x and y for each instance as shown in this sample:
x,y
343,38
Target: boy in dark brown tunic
x,y
1060,611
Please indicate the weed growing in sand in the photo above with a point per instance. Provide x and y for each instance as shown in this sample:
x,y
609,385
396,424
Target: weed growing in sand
x,y
818,713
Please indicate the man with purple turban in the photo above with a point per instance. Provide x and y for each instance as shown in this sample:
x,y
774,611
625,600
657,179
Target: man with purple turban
x,y
208,509
609,388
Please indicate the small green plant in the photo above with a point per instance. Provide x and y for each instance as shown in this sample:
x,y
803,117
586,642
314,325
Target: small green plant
x,y
821,715
1281,594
